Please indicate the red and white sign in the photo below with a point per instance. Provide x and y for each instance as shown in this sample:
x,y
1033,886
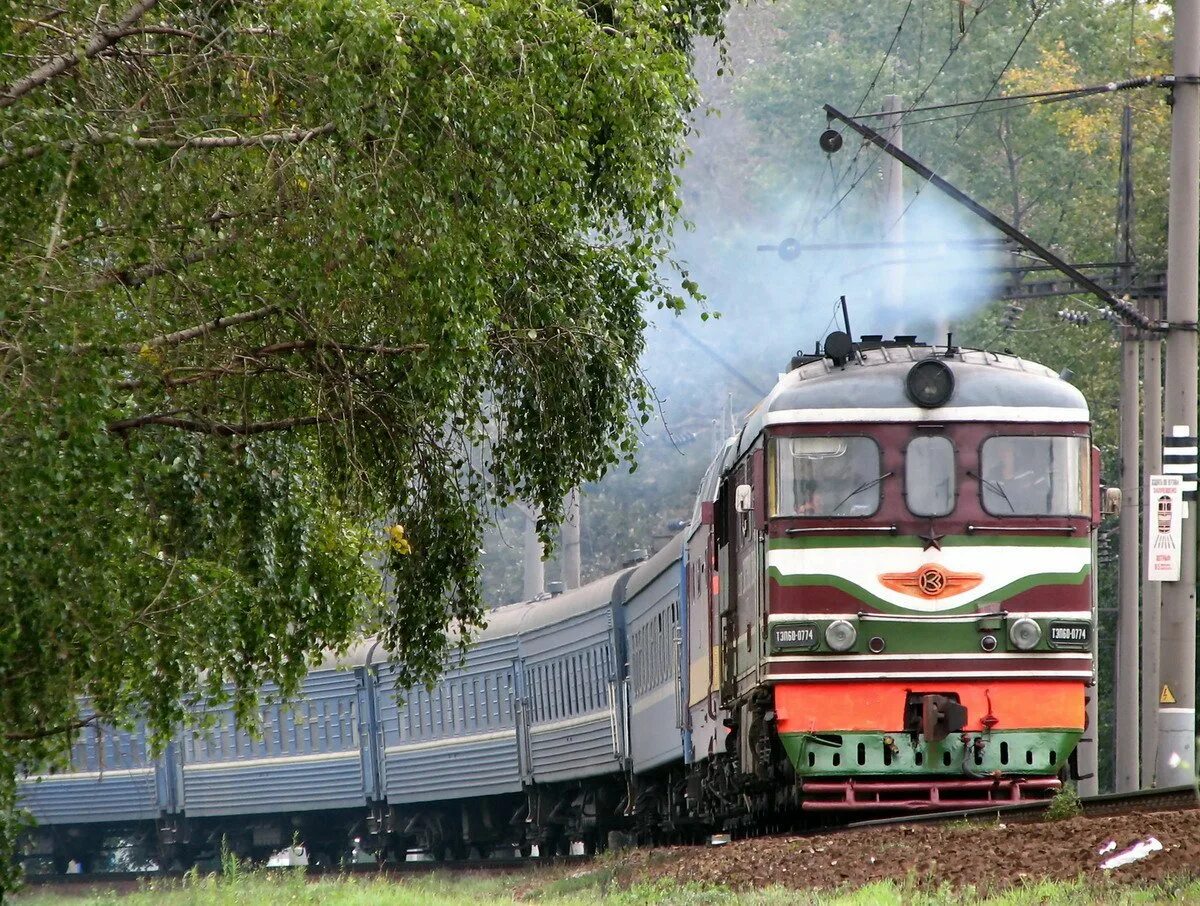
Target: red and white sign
x,y
1165,528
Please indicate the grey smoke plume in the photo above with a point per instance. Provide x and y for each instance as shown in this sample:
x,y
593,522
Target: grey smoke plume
x,y
770,307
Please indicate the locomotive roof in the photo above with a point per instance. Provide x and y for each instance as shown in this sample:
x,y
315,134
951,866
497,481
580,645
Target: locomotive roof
x,y
988,386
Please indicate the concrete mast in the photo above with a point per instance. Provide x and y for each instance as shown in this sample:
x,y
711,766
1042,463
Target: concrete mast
x,y
534,567
571,567
1151,591
1127,773
1127,743
1176,752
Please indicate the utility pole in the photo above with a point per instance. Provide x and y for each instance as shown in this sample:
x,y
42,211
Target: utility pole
x,y
1176,758
1151,591
570,535
1127,774
893,201
534,568
1151,352
1127,739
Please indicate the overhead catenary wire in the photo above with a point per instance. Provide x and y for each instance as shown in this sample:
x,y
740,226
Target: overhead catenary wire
x,y
1037,14
1058,94
887,53
837,182
1016,104
955,44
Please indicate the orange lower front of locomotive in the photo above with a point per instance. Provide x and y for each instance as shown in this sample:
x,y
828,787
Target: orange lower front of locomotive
x,y
905,745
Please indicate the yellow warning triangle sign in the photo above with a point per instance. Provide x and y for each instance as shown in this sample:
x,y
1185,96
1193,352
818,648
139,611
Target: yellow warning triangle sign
x,y
1167,697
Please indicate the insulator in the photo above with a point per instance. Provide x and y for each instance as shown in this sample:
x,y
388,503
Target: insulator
x,y
1074,317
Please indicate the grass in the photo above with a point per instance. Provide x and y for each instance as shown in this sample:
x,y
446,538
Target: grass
x,y
592,888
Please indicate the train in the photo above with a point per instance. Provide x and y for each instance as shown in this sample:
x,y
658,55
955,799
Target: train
x,y
883,603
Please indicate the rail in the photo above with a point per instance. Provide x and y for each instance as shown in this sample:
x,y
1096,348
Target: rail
x,y
1174,797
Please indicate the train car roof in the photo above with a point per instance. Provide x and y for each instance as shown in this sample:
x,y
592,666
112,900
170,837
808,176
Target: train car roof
x,y
647,572
584,599
505,621
988,386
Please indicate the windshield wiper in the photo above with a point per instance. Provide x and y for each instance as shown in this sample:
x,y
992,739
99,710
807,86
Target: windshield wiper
x,y
994,486
859,490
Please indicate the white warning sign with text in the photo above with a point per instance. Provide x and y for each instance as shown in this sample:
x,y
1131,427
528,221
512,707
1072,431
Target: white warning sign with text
x,y
1164,506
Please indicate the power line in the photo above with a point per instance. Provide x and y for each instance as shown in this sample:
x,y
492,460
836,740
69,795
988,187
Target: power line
x,y
954,46
854,160
887,53
1037,14
1017,105
1058,94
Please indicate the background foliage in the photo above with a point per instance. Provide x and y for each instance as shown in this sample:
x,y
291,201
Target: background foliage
x,y
290,290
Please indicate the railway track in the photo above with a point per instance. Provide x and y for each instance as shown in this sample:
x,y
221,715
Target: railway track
x,y
1166,799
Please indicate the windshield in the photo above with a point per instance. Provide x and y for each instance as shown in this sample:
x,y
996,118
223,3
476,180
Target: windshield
x,y
826,476
1035,476
929,476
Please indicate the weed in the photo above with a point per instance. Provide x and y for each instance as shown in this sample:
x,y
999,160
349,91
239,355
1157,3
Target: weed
x,y
1065,804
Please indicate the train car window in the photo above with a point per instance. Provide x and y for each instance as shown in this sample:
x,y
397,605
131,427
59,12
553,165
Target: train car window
x,y
929,476
826,476
1035,476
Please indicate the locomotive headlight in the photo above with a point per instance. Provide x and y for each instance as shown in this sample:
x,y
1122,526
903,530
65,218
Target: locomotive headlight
x,y
840,635
1025,633
929,383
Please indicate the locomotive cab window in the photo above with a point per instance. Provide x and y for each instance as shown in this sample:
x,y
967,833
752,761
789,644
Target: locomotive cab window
x,y
826,476
929,476
1035,476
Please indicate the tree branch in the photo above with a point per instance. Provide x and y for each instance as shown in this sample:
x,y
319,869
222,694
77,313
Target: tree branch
x,y
55,67
69,727
156,30
134,277
217,429
296,135
298,345
221,322
234,370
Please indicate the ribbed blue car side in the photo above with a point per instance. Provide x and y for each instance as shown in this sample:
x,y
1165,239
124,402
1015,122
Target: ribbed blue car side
x,y
111,778
309,755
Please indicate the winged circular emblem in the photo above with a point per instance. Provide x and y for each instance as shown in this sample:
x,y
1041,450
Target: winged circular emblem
x,y
930,581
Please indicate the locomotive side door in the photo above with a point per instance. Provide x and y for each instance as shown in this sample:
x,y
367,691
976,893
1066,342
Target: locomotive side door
x,y
743,523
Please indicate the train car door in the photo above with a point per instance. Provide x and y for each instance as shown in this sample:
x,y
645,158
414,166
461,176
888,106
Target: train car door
x,y
703,640
519,697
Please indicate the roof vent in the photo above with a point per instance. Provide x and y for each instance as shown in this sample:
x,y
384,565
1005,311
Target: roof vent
x,y
555,589
905,339
635,556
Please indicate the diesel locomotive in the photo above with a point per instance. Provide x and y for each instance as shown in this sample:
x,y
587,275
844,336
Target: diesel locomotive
x,y
884,602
